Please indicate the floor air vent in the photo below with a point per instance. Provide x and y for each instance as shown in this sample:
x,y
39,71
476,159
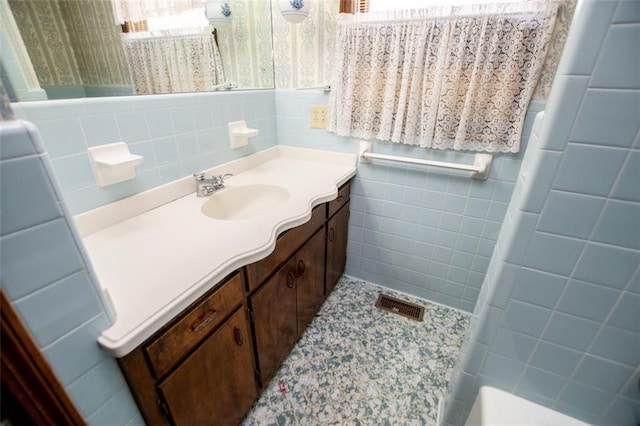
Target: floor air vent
x,y
400,307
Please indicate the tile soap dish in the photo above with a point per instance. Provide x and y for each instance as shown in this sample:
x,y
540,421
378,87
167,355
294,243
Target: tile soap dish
x,y
113,163
239,133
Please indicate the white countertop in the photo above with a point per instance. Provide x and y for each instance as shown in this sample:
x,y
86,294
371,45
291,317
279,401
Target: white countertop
x,y
155,258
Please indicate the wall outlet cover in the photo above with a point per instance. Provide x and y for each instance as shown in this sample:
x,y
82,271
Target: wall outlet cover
x,y
318,116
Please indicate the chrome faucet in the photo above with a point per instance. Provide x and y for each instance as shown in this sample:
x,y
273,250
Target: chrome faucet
x,y
206,187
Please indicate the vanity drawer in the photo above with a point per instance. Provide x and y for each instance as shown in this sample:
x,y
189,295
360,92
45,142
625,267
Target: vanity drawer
x,y
286,245
341,199
194,326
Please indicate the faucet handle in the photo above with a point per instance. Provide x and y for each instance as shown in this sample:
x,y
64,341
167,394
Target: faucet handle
x,y
199,176
221,178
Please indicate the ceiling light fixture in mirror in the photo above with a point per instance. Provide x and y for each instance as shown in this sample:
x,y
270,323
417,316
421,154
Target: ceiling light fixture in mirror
x,y
218,13
294,11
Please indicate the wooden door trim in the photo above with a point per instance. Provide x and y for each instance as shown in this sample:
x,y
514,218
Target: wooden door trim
x,y
353,6
348,6
28,377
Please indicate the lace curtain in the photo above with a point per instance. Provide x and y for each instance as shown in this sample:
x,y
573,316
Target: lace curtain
x,y
456,77
174,64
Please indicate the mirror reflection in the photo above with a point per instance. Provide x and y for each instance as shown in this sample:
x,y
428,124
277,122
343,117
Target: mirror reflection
x,y
95,48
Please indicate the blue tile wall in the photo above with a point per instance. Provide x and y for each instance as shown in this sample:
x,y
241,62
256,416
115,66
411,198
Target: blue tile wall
x,y
46,276
556,303
427,232
566,328
176,134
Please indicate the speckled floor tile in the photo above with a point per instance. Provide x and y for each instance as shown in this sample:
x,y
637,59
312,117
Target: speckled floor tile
x,y
359,365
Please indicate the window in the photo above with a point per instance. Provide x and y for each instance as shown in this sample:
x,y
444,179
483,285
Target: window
x,y
362,6
169,46
159,15
185,19
380,5
454,76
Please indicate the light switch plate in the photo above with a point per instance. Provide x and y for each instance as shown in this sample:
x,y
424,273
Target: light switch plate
x,y
318,116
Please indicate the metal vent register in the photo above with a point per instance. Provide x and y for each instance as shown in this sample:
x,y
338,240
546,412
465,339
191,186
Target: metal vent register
x,y
400,307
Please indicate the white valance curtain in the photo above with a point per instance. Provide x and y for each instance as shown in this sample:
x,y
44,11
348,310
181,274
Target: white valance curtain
x,y
174,64
451,77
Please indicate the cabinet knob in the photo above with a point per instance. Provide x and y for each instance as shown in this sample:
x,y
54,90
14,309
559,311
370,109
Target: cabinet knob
x,y
301,267
237,333
332,234
291,279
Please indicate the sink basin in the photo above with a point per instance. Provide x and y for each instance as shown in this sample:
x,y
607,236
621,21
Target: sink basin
x,y
244,202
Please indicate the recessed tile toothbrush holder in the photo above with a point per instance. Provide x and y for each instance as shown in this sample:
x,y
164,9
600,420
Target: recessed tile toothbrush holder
x,y
113,163
239,133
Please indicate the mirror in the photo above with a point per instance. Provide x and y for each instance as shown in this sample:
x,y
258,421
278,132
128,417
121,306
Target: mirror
x,y
77,50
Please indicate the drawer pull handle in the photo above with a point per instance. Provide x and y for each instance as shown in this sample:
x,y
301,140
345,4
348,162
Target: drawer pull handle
x,y
332,235
207,319
291,279
339,199
237,333
301,267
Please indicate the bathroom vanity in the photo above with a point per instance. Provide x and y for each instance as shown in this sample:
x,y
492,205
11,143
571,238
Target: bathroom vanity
x,y
208,365
203,357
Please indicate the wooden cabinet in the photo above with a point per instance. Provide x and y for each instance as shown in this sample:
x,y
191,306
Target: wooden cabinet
x,y
310,280
215,384
165,351
274,319
337,233
198,369
286,246
343,197
283,307
208,364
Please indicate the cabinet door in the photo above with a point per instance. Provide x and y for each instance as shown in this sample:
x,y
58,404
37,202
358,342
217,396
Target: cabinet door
x,y
337,230
215,385
286,245
274,315
310,279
